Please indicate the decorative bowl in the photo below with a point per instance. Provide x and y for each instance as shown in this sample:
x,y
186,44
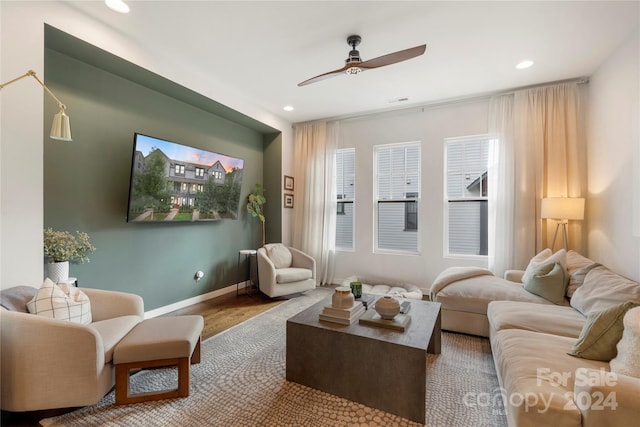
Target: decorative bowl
x,y
387,307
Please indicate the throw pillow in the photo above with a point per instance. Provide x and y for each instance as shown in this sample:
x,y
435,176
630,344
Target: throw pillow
x,y
52,301
601,333
576,279
602,288
279,255
560,256
539,258
548,281
627,361
16,298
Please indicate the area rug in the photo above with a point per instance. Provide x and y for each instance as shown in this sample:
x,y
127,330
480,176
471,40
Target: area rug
x,y
241,382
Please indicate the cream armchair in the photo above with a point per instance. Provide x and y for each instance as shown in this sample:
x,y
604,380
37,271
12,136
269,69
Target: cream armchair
x,y
285,270
50,363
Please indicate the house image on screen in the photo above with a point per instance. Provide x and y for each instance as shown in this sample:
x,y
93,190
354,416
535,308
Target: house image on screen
x,y
183,184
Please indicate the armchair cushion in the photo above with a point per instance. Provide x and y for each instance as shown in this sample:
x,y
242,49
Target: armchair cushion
x,y
292,274
279,255
52,301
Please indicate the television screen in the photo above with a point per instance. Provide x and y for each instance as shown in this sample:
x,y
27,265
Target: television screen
x,y
174,182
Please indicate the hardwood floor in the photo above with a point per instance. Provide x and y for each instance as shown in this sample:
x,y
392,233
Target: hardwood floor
x,y
219,314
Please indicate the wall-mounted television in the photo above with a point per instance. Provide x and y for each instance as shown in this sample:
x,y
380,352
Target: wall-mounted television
x,y
171,182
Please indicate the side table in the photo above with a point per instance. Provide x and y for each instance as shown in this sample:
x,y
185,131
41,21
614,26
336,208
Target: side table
x,y
248,254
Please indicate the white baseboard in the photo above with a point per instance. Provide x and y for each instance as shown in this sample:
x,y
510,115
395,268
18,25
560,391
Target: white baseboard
x,y
194,300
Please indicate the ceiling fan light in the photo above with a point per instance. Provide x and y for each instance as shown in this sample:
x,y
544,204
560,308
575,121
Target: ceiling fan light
x,y
352,71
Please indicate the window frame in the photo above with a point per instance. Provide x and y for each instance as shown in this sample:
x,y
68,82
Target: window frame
x,y
340,202
447,199
377,201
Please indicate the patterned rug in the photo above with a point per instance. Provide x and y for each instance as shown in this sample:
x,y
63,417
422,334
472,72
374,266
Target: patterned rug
x,y
241,382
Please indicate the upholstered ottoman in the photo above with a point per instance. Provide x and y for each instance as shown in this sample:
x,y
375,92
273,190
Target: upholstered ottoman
x,y
153,343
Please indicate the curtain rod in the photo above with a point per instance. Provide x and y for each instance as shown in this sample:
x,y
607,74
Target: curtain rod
x,y
448,101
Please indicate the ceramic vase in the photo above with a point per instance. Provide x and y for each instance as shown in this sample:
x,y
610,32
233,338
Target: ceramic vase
x,y
58,271
387,307
342,297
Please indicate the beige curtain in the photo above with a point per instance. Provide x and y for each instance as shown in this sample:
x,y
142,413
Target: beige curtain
x,y
314,218
548,153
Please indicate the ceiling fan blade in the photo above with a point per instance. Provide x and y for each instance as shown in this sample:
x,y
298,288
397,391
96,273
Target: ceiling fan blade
x,y
392,58
325,75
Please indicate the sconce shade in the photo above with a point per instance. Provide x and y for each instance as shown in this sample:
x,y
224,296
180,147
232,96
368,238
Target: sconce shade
x,y
60,128
563,208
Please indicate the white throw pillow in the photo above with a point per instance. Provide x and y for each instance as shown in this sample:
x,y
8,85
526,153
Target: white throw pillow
x,y
627,362
601,289
52,301
279,255
544,257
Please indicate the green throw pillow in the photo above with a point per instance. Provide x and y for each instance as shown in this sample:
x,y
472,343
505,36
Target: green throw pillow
x,y
548,281
601,333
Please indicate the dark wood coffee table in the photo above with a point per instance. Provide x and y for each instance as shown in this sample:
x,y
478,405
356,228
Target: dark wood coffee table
x,y
378,367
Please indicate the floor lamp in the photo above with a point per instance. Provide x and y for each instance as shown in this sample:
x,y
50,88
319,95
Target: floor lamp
x,y
60,129
562,209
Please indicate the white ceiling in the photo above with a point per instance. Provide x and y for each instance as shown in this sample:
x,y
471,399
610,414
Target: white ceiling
x,y
264,49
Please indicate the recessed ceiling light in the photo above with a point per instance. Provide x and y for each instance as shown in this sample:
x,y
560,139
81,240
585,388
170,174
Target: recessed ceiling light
x,y
117,5
288,108
524,64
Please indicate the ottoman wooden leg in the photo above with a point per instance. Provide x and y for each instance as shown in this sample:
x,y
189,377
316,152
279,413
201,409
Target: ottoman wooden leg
x,y
123,390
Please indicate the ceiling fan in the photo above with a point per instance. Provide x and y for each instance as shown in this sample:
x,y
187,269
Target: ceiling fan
x,y
355,65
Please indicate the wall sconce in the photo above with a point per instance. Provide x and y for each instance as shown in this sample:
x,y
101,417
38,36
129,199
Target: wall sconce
x,y
60,129
562,209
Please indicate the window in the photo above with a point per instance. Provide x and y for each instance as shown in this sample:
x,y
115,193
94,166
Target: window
x,y
185,187
179,169
466,195
397,194
345,190
199,172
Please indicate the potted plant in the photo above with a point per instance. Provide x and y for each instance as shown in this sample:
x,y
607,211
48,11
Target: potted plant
x,y
255,202
62,247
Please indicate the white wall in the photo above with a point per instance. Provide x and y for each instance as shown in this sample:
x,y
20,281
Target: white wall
x,y
613,151
21,155
430,126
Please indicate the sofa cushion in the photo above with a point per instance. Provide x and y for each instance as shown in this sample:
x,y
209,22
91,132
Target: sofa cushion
x,y
576,264
292,274
474,294
601,333
51,301
548,281
279,255
113,330
551,319
535,364
627,361
602,288
560,257
16,298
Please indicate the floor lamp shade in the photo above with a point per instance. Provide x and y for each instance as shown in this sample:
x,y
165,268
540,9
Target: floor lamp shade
x,y
562,209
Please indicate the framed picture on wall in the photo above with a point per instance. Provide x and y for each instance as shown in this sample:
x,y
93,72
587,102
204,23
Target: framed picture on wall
x,y
288,183
288,200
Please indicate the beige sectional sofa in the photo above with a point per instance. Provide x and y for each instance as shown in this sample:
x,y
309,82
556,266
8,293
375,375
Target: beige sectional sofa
x,y
541,384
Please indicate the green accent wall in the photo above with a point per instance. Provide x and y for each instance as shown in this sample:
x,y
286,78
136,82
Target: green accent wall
x,y
86,185
273,184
